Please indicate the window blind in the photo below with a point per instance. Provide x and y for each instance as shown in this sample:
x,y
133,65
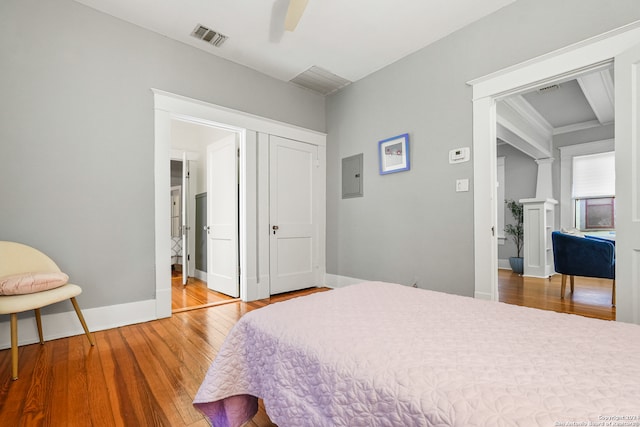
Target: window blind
x,y
594,175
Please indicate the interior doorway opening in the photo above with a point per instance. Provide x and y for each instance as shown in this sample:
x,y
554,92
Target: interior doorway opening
x,y
190,189
619,45
540,130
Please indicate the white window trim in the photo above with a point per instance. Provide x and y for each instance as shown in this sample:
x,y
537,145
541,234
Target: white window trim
x,y
567,153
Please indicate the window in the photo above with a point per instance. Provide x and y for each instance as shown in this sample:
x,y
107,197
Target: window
x,y
593,191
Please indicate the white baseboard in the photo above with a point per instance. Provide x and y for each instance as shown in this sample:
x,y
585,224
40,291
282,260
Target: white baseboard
x,y
200,275
336,281
482,295
61,325
503,264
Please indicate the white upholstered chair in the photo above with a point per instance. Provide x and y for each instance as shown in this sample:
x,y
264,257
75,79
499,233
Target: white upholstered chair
x,y
16,258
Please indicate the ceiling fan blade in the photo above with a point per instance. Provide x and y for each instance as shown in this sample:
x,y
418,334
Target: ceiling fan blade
x,y
294,13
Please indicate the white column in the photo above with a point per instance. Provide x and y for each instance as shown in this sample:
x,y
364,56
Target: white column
x,y
544,185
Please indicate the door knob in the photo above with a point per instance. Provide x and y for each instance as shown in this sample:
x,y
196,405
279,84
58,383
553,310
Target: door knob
x,y
275,228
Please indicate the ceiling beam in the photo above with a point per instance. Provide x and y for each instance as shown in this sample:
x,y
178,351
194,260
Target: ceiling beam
x,y
520,125
505,135
598,89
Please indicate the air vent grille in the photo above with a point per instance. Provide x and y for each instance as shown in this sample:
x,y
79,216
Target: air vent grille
x,y
320,80
548,89
208,35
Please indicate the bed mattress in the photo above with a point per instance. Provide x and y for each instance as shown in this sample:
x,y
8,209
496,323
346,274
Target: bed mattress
x,y
380,354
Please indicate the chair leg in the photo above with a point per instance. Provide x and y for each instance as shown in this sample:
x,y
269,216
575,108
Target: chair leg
x,y
564,286
572,277
39,323
14,346
613,294
81,317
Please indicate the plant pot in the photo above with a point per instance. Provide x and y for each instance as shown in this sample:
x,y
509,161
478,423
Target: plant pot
x,y
517,264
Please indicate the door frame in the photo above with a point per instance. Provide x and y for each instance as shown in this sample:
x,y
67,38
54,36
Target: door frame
x,y
253,259
558,64
179,155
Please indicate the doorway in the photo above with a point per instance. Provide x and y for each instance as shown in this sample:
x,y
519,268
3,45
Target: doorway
x,y
539,132
191,168
254,191
619,45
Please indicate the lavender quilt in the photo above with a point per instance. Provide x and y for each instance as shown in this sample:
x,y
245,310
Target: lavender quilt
x,y
380,354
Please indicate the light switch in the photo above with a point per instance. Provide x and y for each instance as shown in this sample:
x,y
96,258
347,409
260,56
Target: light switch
x,y
462,184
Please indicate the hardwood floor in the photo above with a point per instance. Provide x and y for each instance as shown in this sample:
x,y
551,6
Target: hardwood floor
x,y
139,375
591,298
194,295
147,374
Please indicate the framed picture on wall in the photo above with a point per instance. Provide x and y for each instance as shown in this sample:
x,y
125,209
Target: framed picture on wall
x,y
394,154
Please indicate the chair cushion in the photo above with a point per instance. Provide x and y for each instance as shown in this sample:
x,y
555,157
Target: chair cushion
x,y
20,303
29,283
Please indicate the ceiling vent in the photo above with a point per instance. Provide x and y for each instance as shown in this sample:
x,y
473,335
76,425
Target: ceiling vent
x,y
208,35
547,89
320,80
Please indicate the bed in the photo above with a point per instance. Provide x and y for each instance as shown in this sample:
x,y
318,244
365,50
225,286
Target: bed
x,y
381,354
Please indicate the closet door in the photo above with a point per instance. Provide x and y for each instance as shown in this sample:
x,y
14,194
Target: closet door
x,y
222,217
293,201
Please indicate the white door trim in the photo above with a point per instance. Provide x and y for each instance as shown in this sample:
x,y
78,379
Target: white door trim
x,y
168,106
564,62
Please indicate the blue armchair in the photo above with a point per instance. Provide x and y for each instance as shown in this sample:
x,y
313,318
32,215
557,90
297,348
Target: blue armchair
x,y
584,256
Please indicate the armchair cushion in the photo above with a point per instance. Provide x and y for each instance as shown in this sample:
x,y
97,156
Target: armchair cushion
x,y
28,283
580,256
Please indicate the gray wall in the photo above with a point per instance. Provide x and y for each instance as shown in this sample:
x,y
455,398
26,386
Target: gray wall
x,y
413,224
77,136
520,177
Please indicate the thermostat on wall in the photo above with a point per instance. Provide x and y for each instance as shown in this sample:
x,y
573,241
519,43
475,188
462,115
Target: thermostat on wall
x,y
459,155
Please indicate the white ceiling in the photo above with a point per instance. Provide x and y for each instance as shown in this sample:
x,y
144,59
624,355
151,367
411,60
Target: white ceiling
x,y
349,38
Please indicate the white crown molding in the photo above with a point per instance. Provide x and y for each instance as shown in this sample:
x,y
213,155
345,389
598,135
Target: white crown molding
x,y
578,126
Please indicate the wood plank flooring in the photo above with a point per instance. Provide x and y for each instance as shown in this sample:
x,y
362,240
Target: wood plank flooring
x,y
147,374
194,295
139,375
591,298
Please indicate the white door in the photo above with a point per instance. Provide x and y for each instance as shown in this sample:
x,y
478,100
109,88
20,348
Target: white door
x,y
293,174
184,227
222,217
627,140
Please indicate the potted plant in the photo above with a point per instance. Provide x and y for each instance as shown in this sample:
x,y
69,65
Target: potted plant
x,y
516,232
